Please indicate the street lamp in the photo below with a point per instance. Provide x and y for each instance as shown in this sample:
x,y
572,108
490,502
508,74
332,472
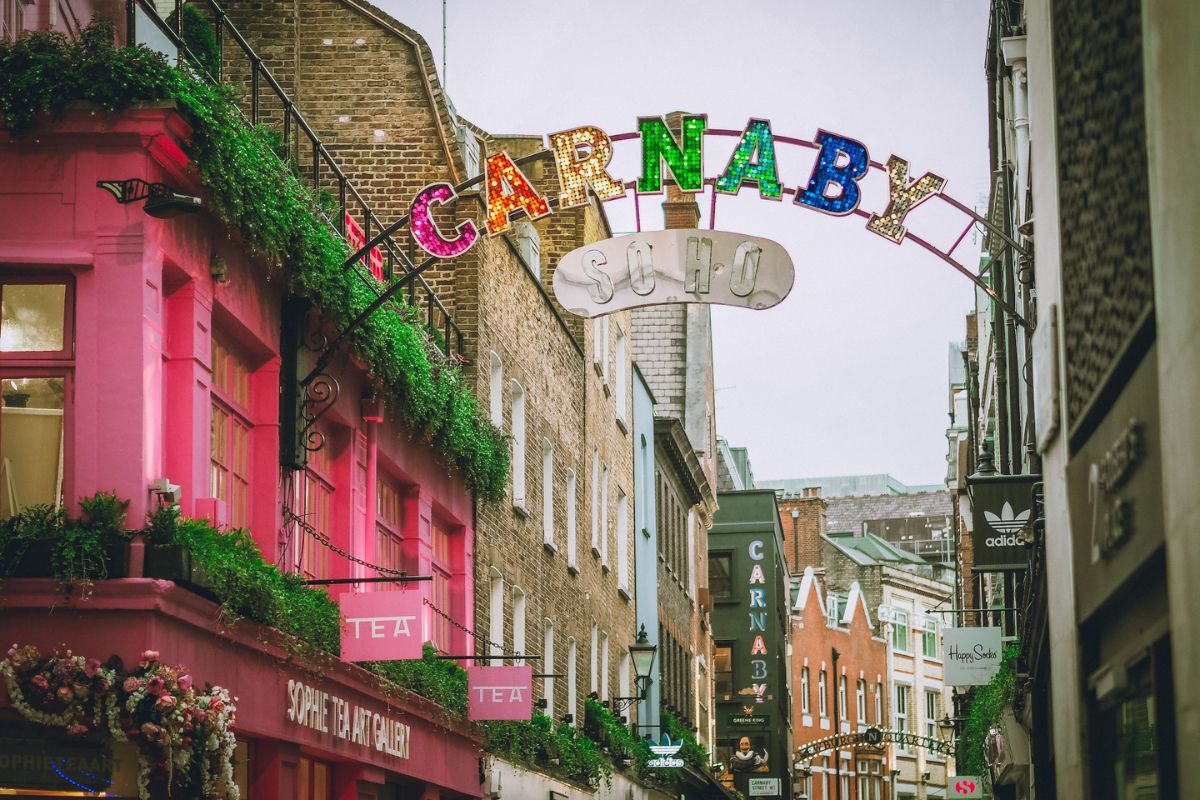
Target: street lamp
x,y
946,728
642,654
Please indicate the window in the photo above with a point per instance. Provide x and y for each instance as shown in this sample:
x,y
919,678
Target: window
x,y
230,451
547,492
604,514
720,575
900,630
878,704
529,245
496,391
805,706
691,553
571,562
822,695
316,498
597,344
548,667
604,351
623,676
723,671
831,610
843,709
931,714
389,525
496,615
315,780
594,654
861,698
902,707
604,666
622,390
596,501
518,444
929,640
646,470
572,688
518,623
440,589
622,541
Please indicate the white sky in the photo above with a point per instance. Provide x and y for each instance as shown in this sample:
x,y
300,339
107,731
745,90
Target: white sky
x,y
849,374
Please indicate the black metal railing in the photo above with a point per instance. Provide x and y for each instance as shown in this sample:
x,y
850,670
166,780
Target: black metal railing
x,y
263,101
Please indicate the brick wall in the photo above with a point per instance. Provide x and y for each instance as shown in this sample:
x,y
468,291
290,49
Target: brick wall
x,y
802,532
368,86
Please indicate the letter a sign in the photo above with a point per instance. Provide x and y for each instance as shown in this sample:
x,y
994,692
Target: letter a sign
x,y
381,626
500,693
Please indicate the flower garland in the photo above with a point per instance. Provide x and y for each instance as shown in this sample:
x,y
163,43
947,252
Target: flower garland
x,y
184,736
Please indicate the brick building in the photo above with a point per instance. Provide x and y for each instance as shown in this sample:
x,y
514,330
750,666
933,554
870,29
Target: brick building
x,y
558,388
853,694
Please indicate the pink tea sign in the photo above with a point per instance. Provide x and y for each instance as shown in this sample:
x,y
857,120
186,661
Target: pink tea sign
x,y
499,692
381,626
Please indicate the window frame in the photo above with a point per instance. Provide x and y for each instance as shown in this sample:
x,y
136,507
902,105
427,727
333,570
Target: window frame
x,y
715,556
823,694
718,672
805,703
901,630
37,357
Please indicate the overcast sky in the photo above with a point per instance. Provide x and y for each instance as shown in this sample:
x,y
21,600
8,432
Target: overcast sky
x,y
849,374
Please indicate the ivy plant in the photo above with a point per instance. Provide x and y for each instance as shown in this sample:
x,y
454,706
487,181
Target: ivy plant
x,y
281,222
987,705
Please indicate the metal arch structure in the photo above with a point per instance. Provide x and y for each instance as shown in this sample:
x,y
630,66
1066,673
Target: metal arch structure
x,y
872,737
945,254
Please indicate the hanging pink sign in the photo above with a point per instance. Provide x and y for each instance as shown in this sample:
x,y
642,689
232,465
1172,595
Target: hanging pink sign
x,y
500,693
381,626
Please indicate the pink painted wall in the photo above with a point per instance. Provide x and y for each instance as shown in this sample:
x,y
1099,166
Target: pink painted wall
x,y
146,306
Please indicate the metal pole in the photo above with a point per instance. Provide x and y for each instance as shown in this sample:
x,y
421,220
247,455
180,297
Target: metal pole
x,y
837,727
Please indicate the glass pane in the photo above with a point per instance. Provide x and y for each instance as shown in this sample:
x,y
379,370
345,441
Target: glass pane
x,y
32,317
31,444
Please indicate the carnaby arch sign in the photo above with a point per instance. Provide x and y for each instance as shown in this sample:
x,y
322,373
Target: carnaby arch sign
x,y
872,737
689,266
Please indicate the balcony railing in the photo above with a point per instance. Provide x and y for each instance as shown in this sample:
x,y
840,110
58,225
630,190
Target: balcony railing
x,y
262,100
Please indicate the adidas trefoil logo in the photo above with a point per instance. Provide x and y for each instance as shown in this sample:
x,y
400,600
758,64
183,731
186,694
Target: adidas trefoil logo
x,y
666,750
1007,522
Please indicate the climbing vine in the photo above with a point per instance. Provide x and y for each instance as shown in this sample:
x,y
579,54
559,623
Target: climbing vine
x,y
249,188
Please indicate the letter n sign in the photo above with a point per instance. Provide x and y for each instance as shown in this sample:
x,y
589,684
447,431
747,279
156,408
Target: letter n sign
x,y
500,693
381,626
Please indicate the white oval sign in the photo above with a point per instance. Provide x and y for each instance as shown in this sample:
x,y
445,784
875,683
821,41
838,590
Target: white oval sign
x,y
673,266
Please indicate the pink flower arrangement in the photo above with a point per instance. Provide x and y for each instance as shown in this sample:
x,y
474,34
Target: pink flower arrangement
x,y
180,733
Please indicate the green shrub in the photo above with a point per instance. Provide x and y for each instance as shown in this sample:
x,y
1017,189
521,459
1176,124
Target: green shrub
x,y
986,705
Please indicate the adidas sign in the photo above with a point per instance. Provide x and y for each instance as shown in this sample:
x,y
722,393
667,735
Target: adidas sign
x,y
1003,541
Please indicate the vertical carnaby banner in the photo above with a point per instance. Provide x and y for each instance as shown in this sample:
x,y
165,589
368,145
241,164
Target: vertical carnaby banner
x,y
381,626
1002,507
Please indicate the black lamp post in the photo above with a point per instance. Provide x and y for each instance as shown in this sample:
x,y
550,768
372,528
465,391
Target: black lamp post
x,y
642,654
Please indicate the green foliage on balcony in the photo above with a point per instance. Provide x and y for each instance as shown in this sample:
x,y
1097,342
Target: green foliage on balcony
x,y
280,221
987,706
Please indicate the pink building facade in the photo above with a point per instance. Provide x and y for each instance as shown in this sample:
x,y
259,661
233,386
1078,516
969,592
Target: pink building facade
x,y
140,354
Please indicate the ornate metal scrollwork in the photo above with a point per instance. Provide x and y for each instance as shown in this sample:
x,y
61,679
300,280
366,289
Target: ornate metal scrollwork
x,y
320,395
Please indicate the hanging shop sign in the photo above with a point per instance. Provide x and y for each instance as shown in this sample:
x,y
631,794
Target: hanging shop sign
x,y
748,720
381,626
1002,507
967,787
664,753
500,693
972,655
671,266
326,713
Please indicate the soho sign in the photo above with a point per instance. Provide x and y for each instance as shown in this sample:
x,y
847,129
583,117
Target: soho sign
x,y
581,158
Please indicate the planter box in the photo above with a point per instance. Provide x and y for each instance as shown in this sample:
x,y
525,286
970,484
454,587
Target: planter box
x,y
38,559
174,562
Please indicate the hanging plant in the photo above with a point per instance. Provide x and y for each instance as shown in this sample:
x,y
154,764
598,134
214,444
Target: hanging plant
x,y
184,736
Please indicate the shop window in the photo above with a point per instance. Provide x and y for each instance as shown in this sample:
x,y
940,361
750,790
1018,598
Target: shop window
x,y
723,671
316,494
442,602
720,575
315,780
230,451
389,527
36,346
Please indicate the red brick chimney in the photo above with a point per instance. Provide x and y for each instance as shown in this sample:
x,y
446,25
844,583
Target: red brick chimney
x,y
803,520
680,209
